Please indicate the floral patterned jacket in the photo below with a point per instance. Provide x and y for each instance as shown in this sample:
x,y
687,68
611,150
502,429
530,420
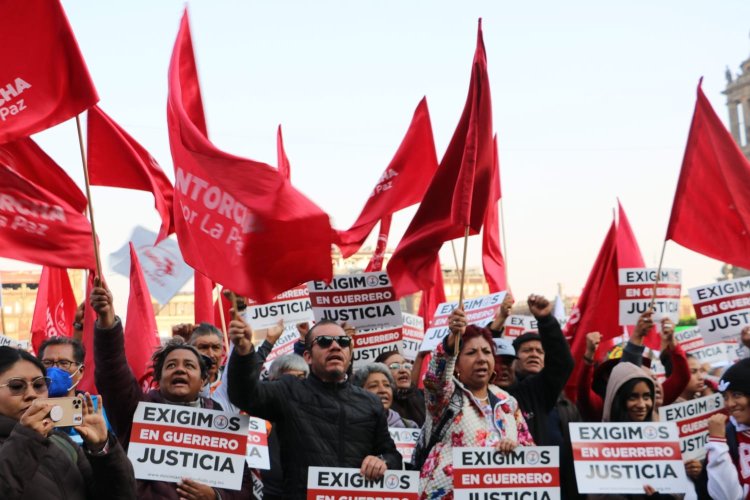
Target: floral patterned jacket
x,y
468,428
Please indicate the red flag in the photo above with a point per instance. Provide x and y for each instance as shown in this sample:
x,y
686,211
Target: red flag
x,y
463,178
55,307
141,334
492,256
28,159
240,223
36,226
711,208
402,184
376,262
285,169
89,319
431,298
597,308
43,78
204,297
115,159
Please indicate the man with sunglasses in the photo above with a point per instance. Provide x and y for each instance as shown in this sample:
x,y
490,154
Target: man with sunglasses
x,y
321,420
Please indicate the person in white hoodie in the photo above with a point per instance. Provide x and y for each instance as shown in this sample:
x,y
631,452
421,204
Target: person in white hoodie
x,y
729,443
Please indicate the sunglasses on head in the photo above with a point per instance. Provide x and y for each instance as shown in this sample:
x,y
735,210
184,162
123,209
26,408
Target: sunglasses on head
x,y
325,341
18,386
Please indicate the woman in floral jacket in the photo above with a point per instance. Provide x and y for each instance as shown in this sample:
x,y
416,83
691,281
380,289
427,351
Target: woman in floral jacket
x,y
488,416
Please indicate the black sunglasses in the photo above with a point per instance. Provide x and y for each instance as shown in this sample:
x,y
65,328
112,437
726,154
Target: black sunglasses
x,y
325,341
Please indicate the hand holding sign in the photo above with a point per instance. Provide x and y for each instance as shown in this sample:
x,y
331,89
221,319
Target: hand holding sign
x,y
539,306
274,333
241,335
745,336
373,467
457,326
506,445
503,312
667,334
644,325
193,490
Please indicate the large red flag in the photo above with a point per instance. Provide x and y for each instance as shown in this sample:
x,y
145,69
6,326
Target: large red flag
x,y
402,184
115,159
431,298
459,193
38,227
711,208
597,308
239,222
43,78
141,334
28,159
492,256
285,168
55,307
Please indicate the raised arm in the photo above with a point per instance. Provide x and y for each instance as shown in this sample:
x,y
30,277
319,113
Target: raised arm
x,y
438,380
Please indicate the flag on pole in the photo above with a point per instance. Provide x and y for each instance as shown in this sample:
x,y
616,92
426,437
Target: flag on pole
x,y
459,194
55,307
711,208
43,78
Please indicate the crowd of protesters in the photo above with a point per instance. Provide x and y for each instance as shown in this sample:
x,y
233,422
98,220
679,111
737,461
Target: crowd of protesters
x,y
479,389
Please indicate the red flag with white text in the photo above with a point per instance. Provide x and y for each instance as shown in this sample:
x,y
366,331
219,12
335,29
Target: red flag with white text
x,y
711,208
115,159
238,221
402,184
32,163
43,78
38,227
459,194
141,334
55,307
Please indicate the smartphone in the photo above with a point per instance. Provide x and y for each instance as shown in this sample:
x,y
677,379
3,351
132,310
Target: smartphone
x,y
65,412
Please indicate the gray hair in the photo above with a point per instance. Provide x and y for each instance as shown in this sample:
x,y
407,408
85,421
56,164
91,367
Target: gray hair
x,y
285,363
361,375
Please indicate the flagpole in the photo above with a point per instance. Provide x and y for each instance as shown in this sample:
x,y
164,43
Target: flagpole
x,y
505,245
2,309
223,321
658,273
461,287
455,256
88,196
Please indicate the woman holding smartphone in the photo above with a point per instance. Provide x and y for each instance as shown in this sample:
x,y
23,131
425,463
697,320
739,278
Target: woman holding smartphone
x,y
36,460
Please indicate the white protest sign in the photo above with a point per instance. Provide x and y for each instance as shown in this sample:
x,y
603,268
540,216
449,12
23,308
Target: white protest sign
x,y
716,354
285,345
17,344
413,336
691,418
365,300
722,309
293,306
636,287
324,483
479,311
370,344
169,442
257,456
689,339
486,473
613,457
163,267
518,324
405,440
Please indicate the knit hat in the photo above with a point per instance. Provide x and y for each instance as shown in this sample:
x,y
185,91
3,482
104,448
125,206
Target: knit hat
x,y
525,337
737,378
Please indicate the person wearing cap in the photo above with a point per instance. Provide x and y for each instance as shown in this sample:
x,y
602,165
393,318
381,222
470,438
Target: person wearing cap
x,y
729,442
505,355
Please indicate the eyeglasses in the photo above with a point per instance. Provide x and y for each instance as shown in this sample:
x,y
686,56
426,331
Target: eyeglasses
x,y
18,386
325,341
398,366
60,363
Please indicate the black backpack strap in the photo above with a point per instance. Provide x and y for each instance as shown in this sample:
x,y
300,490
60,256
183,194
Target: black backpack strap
x,y
734,451
422,449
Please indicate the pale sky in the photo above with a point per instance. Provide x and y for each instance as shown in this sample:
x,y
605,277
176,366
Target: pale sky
x,y
592,101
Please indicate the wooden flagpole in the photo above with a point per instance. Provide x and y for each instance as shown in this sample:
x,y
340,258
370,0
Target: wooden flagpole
x,y
461,287
88,197
505,244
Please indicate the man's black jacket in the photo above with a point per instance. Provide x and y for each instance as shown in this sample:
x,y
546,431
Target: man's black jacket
x,y
318,423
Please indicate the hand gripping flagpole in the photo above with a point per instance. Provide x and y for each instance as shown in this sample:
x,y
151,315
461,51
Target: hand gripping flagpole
x,y
88,197
461,288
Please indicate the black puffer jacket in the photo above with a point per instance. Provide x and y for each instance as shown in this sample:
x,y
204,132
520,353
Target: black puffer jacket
x,y
36,467
318,423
